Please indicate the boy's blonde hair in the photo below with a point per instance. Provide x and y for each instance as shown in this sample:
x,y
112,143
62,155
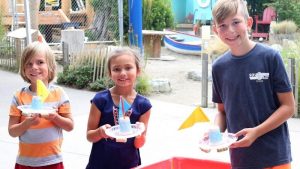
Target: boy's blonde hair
x,y
124,51
226,8
33,49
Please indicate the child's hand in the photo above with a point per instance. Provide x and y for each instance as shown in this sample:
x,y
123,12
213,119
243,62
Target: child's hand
x,y
140,140
33,119
205,138
140,125
205,135
50,116
250,135
102,131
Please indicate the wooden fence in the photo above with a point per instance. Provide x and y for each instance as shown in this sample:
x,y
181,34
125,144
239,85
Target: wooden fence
x,y
95,58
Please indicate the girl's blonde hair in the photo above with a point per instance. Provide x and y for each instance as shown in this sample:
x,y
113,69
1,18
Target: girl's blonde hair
x,y
124,51
226,8
32,50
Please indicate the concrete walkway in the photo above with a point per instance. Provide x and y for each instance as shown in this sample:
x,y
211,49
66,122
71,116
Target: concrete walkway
x,y
164,140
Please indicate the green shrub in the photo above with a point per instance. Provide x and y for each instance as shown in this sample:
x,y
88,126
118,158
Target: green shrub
x,y
2,28
90,35
157,15
101,84
287,10
143,85
78,77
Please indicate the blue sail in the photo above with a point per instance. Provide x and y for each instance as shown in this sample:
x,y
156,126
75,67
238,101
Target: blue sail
x,y
126,106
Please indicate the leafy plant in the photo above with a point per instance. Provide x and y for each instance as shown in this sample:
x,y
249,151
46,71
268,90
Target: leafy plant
x,y
157,14
101,84
287,10
2,29
90,34
78,77
81,77
143,85
105,25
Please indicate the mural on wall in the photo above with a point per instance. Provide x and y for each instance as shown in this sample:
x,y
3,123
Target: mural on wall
x,y
204,8
203,3
192,11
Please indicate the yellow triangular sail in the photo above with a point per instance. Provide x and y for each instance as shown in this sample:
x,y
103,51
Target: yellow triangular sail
x,y
42,90
197,116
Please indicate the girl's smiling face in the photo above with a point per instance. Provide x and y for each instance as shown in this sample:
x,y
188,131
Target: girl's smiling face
x,y
37,68
123,70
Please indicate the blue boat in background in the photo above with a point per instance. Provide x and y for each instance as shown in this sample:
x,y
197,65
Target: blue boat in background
x,y
183,43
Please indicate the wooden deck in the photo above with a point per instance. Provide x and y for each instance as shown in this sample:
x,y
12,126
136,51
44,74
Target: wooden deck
x,y
45,18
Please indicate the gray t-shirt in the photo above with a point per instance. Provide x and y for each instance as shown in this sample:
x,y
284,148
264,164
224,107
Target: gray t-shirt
x,y
247,86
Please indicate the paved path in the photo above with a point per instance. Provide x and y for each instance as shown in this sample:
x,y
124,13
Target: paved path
x,y
163,141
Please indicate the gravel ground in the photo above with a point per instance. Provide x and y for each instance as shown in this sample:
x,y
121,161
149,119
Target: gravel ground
x,y
184,91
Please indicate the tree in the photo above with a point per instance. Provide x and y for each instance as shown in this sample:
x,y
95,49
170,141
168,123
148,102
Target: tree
x,y
105,24
287,10
256,7
157,14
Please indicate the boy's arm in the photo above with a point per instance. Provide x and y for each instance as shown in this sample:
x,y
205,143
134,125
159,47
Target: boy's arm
x,y
220,118
282,114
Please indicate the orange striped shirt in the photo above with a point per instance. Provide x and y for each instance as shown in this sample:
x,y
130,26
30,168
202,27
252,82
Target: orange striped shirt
x,y
41,144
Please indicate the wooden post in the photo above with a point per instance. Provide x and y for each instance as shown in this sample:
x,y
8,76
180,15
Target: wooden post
x,y
18,43
4,6
157,46
205,35
89,12
65,49
34,12
66,6
152,45
297,87
148,46
293,79
204,81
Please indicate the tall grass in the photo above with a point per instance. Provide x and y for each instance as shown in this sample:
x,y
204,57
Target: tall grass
x,y
284,27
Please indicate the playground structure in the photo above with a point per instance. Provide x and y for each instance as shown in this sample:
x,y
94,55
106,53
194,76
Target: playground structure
x,y
52,20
